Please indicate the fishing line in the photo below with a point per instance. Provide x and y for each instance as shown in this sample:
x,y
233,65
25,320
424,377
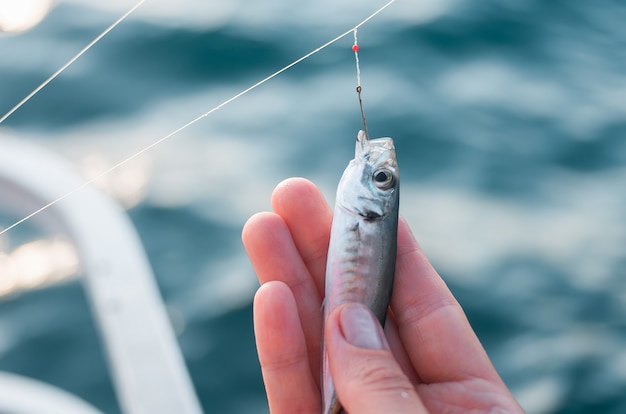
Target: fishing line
x,y
193,121
355,48
69,62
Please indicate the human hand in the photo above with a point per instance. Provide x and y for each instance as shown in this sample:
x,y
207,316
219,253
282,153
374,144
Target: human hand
x,y
427,360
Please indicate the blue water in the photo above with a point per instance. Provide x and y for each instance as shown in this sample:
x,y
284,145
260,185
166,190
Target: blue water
x,y
509,120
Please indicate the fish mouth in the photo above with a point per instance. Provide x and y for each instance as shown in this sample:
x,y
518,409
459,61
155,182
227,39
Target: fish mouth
x,y
374,149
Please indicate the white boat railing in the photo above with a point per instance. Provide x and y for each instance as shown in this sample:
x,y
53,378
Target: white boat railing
x,y
148,371
21,395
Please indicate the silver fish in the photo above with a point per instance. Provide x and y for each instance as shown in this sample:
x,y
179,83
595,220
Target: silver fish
x,y
362,251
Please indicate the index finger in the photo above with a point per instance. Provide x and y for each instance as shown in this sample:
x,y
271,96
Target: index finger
x,y
436,333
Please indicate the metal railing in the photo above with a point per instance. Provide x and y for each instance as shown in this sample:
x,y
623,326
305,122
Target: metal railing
x,y
146,364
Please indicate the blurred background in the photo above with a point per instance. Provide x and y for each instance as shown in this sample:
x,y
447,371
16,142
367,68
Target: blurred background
x,y
509,119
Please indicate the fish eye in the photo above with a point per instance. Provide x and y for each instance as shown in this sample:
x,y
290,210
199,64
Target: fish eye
x,y
383,178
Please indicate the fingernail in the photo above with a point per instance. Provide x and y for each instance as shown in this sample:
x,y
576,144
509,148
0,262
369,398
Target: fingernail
x,y
360,327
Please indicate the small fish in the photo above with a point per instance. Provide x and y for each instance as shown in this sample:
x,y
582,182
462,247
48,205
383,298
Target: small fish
x,y
362,251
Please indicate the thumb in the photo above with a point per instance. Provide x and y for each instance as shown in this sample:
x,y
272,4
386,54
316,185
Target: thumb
x,y
366,376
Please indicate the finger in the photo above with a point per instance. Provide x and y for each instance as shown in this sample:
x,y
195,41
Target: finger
x,y
274,256
282,350
366,376
397,348
437,335
307,214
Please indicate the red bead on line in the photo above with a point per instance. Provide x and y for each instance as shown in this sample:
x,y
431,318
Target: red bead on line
x,y
355,48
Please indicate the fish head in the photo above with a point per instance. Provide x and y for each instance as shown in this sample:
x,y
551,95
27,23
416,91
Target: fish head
x,y
370,184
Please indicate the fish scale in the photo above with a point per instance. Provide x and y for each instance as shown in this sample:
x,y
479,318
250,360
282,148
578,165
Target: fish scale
x,y
362,249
